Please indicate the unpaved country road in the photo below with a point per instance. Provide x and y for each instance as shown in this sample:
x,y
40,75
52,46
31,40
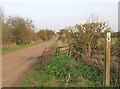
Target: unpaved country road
x,y
16,63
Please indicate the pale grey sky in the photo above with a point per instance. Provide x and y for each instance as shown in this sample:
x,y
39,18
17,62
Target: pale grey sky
x,y
57,15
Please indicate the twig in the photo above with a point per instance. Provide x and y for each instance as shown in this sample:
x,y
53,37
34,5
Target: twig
x,y
67,80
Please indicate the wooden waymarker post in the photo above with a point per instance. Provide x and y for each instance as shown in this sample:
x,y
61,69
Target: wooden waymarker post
x,y
107,59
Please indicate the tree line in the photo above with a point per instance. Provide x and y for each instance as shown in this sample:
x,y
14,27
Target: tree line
x,y
17,30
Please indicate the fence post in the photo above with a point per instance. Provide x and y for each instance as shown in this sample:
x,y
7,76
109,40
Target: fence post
x,y
107,59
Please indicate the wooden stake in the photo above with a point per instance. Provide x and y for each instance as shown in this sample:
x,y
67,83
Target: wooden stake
x,y
107,59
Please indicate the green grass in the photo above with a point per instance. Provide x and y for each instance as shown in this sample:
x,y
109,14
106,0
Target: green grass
x,y
36,78
81,73
54,45
57,71
18,47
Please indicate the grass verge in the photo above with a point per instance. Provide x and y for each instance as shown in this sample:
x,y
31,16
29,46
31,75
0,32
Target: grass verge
x,y
63,71
12,49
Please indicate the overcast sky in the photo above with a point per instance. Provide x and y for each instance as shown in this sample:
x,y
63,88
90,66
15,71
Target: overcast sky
x,y
56,15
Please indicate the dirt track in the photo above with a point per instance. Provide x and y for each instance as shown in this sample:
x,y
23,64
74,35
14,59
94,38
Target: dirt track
x,y
16,63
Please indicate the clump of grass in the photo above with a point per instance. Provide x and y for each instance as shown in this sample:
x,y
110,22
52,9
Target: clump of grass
x,y
60,66
54,45
38,79
80,72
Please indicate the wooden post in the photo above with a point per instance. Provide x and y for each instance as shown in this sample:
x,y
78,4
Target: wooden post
x,y
107,59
